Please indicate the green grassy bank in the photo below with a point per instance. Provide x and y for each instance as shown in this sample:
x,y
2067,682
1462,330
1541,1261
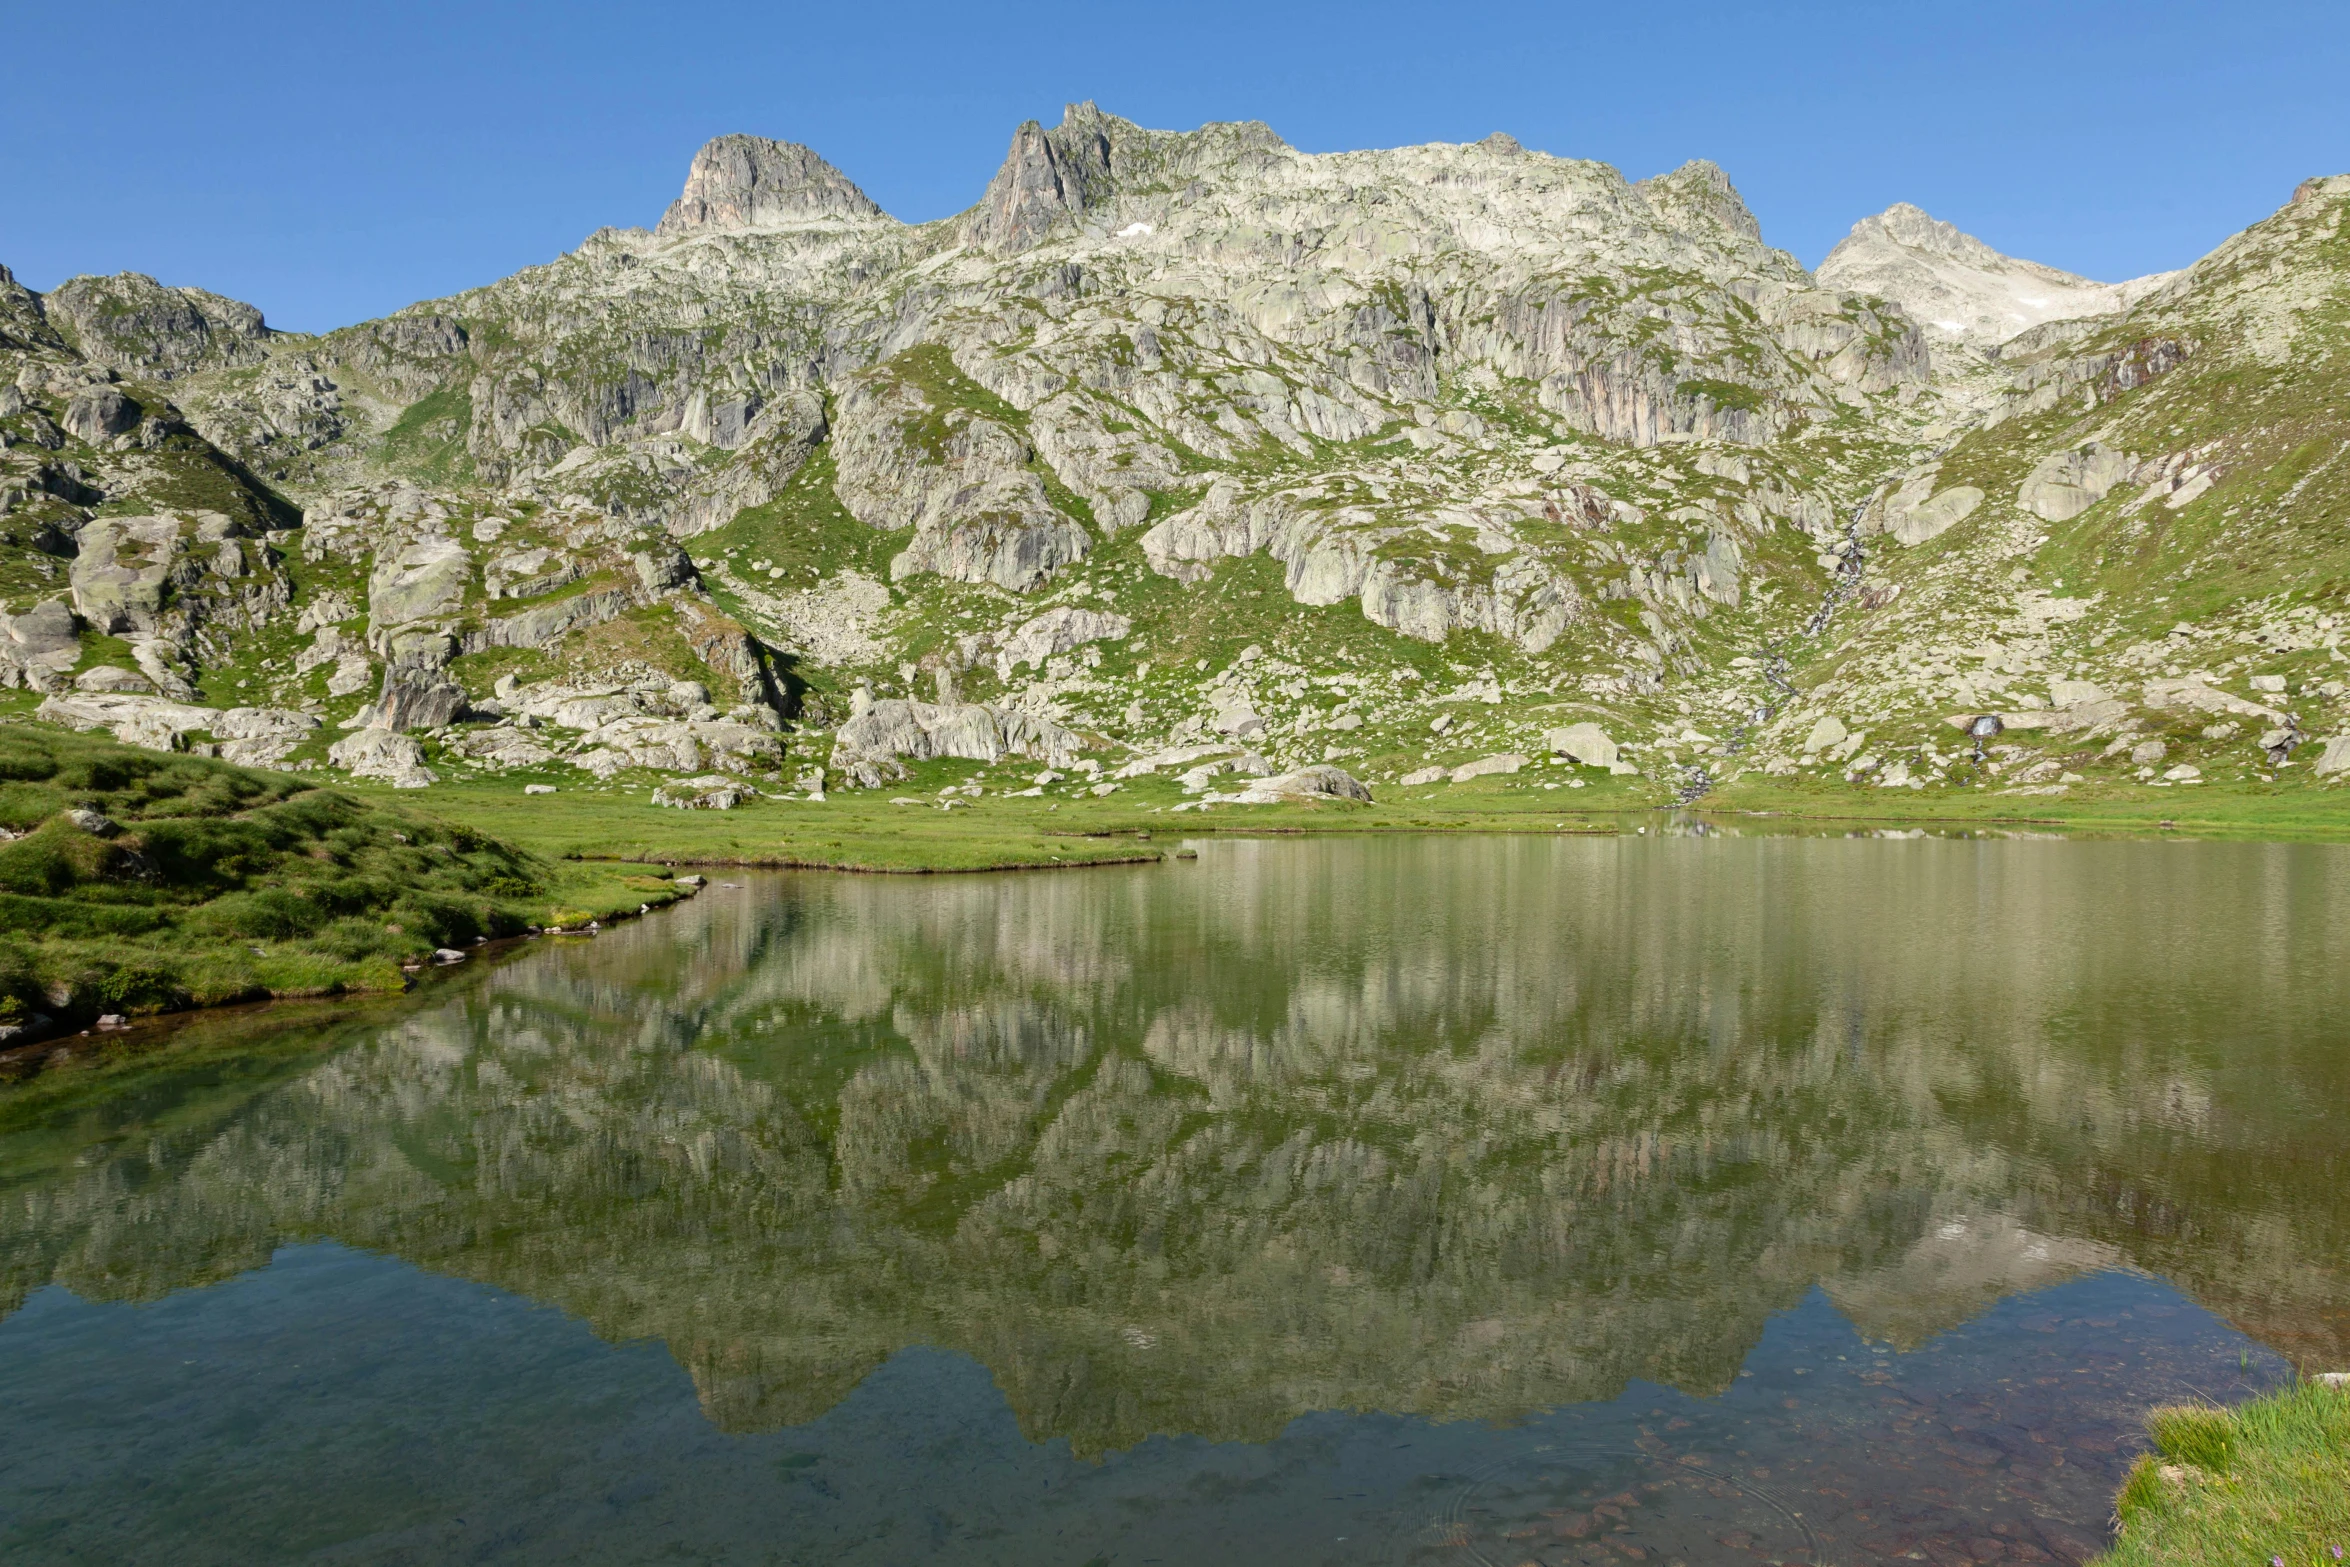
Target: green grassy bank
x,y
2265,1482
931,821
136,881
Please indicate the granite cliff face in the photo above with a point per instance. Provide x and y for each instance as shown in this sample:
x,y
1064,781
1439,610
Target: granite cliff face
x,y
747,182
1348,442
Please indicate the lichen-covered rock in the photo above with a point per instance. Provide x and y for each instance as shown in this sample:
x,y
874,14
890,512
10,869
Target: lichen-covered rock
x,y
423,581
886,730
121,573
2061,487
1489,766
385,755
1584,742
1062,629
712,793
39,646
101,412
959,479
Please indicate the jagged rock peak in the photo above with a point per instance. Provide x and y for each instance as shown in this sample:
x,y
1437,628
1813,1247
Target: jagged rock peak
x,y
23,324
1700,190
1914,229
1079,165
748,182
1960,289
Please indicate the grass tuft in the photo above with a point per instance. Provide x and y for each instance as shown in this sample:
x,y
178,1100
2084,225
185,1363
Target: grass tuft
x,y
2267,1481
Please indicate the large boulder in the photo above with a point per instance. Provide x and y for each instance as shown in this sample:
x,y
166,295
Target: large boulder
x,y
393,758
412,698
260,736
1323,782
1059,630
711,793
1585,742
99,413
2061,487
120,576
1306,786
885,731
1489,766
424,581
38,647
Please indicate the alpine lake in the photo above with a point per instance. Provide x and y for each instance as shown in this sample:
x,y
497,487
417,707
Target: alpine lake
x,y
1670,1198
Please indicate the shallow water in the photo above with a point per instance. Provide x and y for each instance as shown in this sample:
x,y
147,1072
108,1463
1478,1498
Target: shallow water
x,y
1397,1201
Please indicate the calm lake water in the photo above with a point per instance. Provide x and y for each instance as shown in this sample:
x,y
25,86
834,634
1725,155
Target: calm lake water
x,y
1418,1202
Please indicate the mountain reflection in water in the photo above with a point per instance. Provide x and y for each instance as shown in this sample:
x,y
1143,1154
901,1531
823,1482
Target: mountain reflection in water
x,y
1434,1130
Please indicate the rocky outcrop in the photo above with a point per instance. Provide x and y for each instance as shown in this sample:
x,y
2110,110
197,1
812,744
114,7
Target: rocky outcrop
x,y
383,755
1059,630
1047,178
249,736
643,721
124,568
39,647
2062,486
880,732
961,480
1698,195
1330,556
741,183
132,323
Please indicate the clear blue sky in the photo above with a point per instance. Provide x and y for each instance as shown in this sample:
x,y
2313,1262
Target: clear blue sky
x,y
330,162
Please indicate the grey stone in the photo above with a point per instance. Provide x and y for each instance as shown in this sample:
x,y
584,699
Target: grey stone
x,y
393,758
423,581
703,794
1584,742
1825,734
1059,630
111,677
120,575
99,413
1489,766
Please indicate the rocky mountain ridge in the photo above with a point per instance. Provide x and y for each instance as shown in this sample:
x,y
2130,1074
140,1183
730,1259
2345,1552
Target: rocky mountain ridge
x,y
1174,444
1960,289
